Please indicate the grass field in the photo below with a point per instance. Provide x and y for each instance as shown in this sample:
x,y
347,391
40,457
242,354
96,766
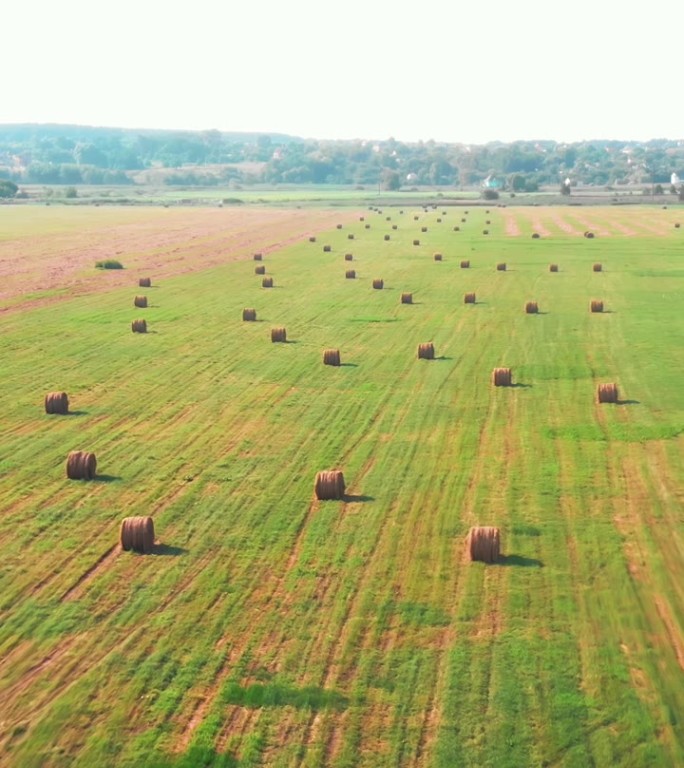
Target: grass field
x,y
270,629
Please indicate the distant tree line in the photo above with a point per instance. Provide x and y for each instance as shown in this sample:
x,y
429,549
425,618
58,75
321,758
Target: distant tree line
x,y
62,154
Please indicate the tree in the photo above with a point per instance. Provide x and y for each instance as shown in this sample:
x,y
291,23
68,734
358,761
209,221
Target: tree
x,y
8,188
390,180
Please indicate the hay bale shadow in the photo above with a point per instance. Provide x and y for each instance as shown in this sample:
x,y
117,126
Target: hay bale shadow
x,y
357,499
77,413
167,550
348,365
520,386
628,402
442,357
105,478
520,561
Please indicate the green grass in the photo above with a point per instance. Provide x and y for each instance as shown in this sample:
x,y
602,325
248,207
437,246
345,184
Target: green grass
x,y
277,631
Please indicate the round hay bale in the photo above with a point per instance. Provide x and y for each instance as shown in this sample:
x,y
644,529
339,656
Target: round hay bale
x,y
350,274
386,238
367,226
439,221
249,315
329,485
488,222
331,357
466,212
378,284
140,301
598,267
407,298
388,218
278,334
137,534
457,229
483,543
423,229
267,282
426,351
607,393
502,377
349,257
553,267
438,257
258,257
469,298
145,282
350,236
260,270
81,465
677,225
501,267
139,326
596,305
312,239
362,218
485,231
463,221
339,226
531,308
416,242
536,235
415,218
394,226
327,248
465,264
57,402
589,235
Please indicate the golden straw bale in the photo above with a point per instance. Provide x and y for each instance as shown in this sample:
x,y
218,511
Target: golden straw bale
x,y
81,465
137,534
57,402
502,377
607,393
483,543
329,485
426,351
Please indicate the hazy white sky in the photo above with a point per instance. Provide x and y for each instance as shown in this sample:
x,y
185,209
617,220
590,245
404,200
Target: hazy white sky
x,y
488,70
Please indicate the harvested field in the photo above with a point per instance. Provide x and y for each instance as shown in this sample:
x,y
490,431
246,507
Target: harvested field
x,y
268,628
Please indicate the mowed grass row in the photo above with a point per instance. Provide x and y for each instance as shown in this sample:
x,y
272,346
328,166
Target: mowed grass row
x,y
275,630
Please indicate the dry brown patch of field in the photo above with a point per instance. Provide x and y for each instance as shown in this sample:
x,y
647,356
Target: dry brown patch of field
x,y
158,242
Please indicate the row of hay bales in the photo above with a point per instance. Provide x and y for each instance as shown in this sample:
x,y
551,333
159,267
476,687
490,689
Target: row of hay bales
x,y
483,543
135,533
